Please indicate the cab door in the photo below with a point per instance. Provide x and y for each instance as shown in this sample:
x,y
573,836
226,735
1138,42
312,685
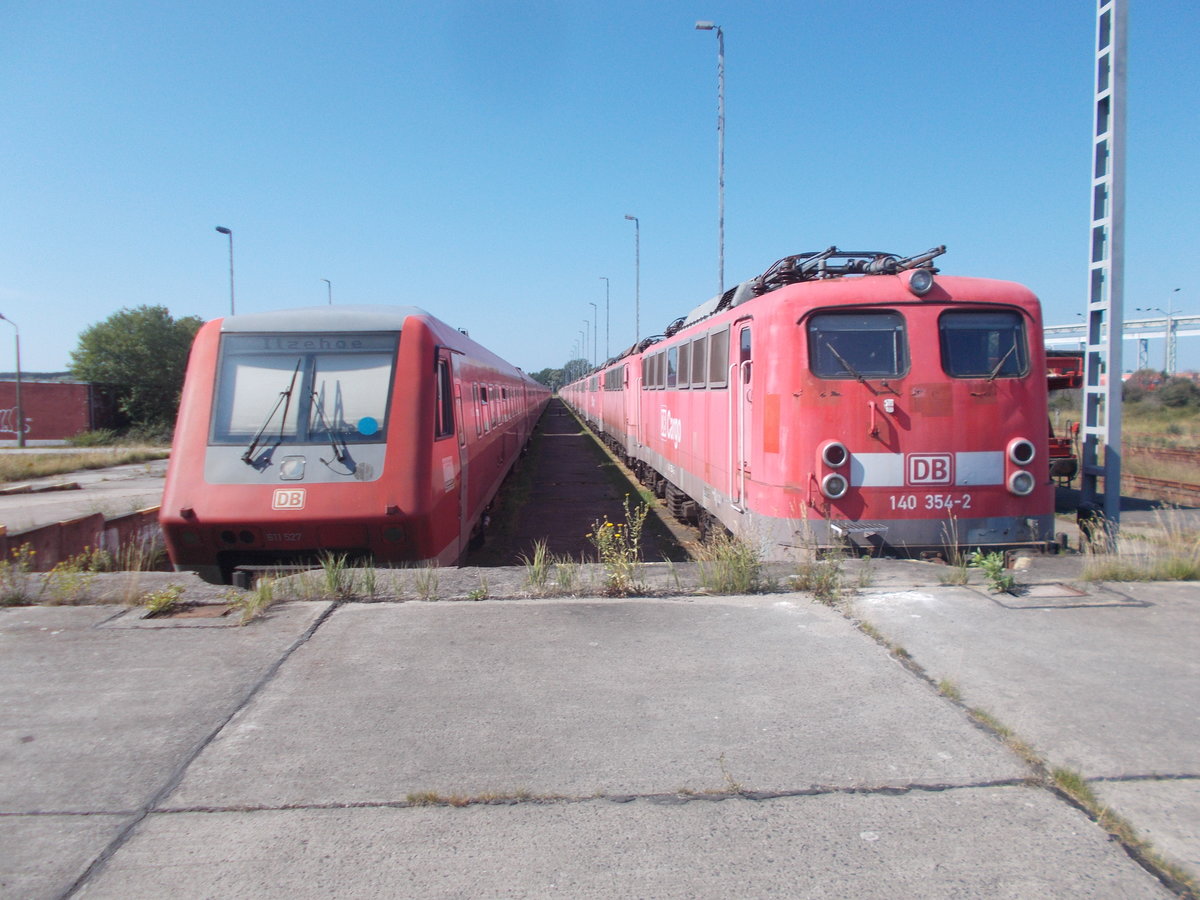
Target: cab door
x,y
739,383
450,458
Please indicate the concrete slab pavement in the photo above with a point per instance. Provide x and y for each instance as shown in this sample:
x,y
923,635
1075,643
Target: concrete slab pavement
x,y
95,721
1106,683
655,747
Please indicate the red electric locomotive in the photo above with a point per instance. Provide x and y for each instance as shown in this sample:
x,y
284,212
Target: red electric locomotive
x,y
376,432
843,399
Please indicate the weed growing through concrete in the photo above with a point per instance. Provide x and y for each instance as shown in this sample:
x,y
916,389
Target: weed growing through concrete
x,y
254,604
481,592
731,565
995,569
18,585
822,577
949,689
368,578
67,584
338,582
566,575
959,561
537,567
426,583
164,601
618,547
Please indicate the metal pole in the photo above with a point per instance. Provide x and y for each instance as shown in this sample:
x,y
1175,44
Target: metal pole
x,y
20,426
607,348
709,26
229,232
329,284
637,278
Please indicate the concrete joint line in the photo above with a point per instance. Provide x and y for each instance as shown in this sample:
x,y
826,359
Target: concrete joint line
x,y
664,799
172,782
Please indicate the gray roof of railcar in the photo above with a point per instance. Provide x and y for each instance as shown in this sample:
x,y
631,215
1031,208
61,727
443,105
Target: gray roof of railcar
x,y
324,318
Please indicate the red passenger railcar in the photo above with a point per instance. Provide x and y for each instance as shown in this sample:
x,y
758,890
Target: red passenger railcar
x,y
376,432
843,399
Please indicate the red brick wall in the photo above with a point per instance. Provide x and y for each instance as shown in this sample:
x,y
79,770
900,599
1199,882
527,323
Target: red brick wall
x,y
53,410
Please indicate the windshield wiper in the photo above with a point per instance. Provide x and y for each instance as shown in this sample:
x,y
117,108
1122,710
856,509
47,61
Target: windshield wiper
x,y
853,371
1000,365
285,398
341,451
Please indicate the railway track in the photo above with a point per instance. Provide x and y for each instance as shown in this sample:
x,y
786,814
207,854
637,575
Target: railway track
x,y
1185,455
1181,492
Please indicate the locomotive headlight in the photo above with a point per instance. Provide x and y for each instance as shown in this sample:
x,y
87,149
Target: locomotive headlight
x,y
921,282
834,485
834,454
1021,483
1021,451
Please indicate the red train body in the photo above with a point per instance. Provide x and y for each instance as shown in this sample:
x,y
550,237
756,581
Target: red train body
x,y
377,432
843,399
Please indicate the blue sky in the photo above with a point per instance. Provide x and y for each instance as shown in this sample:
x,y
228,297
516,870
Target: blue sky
x,y
478,159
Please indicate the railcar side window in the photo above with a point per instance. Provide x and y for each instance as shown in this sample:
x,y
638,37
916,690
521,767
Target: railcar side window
x,y
857,345
445,400
983,344
303,387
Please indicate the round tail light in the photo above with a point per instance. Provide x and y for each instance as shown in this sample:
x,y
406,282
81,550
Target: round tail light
x,y
834,454
1021,451
834,485
1021,483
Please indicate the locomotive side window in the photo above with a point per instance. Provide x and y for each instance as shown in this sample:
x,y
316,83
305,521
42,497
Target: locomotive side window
x,y
303,387
857,345
672,366
445,400
699,358
685,359
983,345
718,358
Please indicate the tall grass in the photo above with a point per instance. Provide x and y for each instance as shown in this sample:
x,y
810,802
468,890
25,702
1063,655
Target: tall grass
x,y
1170,552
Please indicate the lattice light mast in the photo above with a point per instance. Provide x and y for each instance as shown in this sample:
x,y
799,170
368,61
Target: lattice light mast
x,y
1105,308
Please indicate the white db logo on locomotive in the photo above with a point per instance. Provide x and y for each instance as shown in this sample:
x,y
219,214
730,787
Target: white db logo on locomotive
x,y
288,498
928,468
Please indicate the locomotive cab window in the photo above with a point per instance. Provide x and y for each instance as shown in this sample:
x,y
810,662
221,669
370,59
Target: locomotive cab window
x,y
983,344
857,345
299,388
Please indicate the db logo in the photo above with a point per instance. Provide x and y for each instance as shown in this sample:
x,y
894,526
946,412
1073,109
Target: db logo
x,y
929,468
288,498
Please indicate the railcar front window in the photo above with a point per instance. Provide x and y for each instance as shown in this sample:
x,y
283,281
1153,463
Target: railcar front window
x,y
303,388
857,345
984,345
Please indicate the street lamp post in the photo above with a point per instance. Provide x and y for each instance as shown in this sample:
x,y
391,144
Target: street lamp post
x,y
329,284
637,278
709,26
20,425
1169,334
595,330
226,231
607,349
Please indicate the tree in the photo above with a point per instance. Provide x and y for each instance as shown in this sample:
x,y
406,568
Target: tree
x,y
142,354
1179,392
